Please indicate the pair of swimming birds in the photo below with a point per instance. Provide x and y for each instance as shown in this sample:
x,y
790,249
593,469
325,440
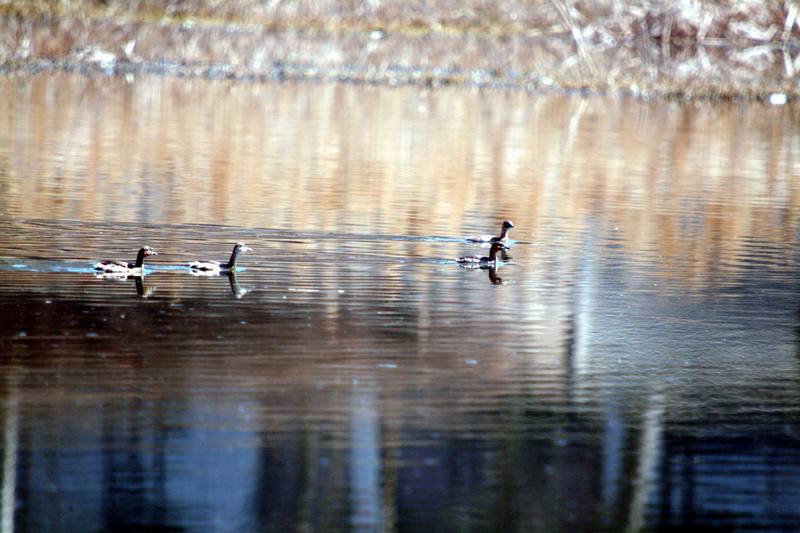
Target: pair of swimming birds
x,y
134,269
122,267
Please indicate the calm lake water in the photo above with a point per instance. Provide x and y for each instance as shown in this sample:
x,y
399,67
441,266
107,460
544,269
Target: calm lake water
x,y
634,365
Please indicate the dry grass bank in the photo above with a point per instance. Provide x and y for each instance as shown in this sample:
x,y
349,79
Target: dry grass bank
x,y
688,48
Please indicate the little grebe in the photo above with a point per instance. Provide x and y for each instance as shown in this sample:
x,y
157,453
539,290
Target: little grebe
x,y
121,267
474,260
216,266
507,225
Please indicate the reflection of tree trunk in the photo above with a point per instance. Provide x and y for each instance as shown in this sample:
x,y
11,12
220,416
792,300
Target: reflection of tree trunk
x,y
614,433
578,336
10,438
160,437
649,454
797,330
365,462
124,449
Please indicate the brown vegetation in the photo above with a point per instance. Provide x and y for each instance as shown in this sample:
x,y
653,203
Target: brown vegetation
x,y
684,48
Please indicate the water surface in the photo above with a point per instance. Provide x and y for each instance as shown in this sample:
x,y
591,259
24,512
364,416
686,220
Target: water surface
x,y
633,366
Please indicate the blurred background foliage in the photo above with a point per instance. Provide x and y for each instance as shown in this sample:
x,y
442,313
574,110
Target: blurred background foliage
x,y
687,48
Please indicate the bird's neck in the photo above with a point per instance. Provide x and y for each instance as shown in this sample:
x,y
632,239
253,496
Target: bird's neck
x,y
234,256
139,259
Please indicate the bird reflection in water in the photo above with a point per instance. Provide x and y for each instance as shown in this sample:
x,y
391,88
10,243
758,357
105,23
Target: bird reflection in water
x,y
144,291
237,290
494,278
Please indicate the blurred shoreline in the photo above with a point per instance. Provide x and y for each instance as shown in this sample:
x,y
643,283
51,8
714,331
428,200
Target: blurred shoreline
x,y
684,50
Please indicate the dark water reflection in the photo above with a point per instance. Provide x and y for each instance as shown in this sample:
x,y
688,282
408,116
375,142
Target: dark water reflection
x,y
636,369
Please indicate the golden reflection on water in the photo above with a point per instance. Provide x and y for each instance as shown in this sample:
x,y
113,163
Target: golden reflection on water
x,y
689,182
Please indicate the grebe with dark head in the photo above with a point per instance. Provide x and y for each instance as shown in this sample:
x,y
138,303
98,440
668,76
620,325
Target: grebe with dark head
x,y
129,269
506,227
491,260
215,267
